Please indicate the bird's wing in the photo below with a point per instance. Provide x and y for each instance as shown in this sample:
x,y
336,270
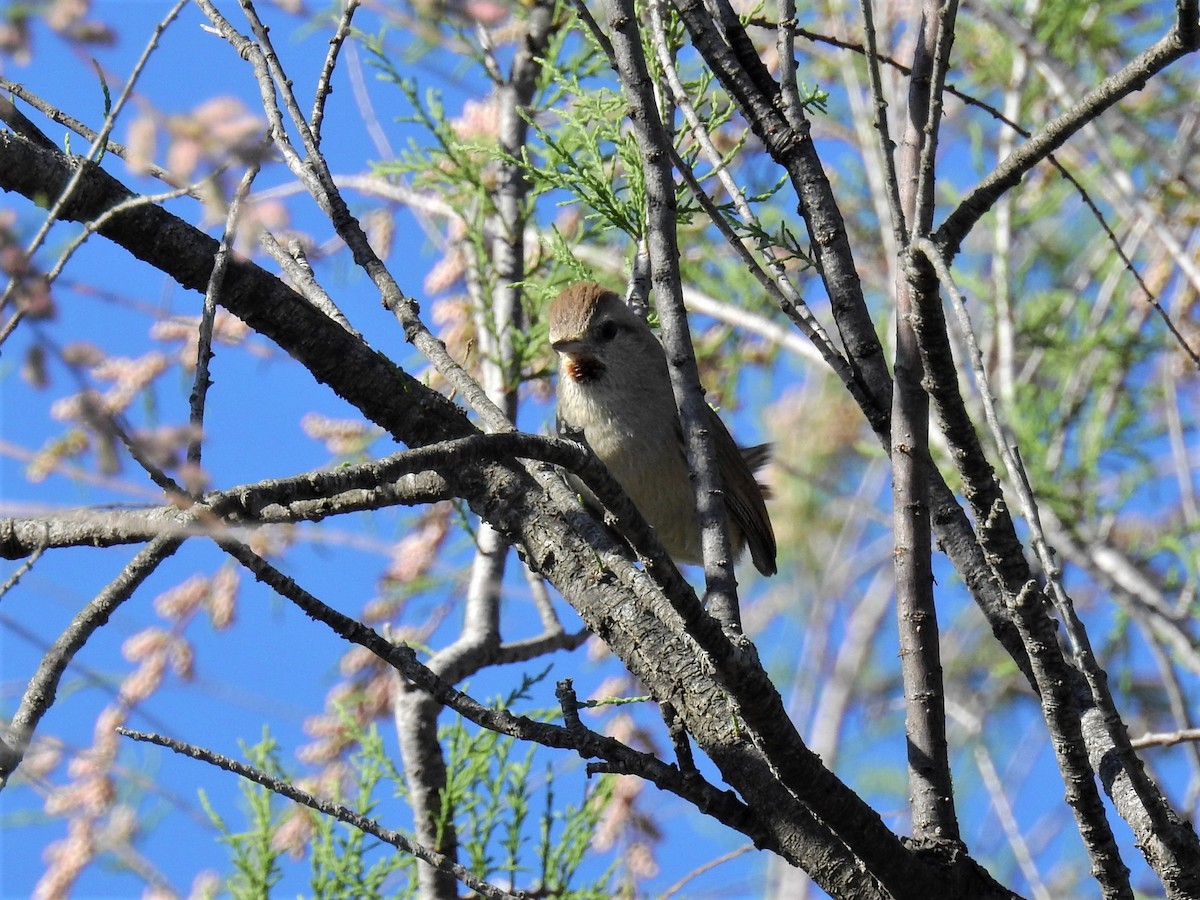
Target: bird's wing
x,y
757,456
743,495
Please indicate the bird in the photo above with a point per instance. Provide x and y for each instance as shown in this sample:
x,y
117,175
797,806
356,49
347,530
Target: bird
x,y
614,392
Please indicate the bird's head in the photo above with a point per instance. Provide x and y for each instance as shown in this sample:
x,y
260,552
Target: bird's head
x,y
593,331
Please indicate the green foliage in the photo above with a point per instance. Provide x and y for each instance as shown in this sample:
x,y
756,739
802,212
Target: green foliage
x,y
581,156
1068,28
490,795
562,857
256,861
504,834
343,862
590,157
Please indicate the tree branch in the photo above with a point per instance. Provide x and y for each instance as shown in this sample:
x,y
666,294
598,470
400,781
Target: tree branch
x,y
43,686
655,147
286,788
1132,77
1170,845
722,805
931,787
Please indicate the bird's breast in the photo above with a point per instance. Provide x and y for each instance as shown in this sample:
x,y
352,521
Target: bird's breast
x,y
641,448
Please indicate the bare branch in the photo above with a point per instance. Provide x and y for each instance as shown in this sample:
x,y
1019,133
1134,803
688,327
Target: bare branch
x,y
325,81
1165,822
723,805
54,114
1054,134
1166,738
1068,742
781,288
931,791
655,147
367,379
40,694
12,580
735,62
286,788
313,171
208,314
498,319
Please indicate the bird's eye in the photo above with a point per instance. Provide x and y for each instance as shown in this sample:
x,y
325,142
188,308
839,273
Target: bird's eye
x,y
608,331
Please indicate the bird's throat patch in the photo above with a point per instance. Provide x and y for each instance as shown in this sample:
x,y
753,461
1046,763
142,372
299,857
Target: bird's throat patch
x,y
584,369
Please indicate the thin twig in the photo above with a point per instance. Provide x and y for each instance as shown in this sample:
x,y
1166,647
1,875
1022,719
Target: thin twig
x,y
887,150
249,503
12,580
208,315
40,694
325,81
1179,705
785,45
1053,135
722,805
313,171
707,867
54,114
782,289
90,227
287,789
19,122
94,151
1166,738
296,267
873,55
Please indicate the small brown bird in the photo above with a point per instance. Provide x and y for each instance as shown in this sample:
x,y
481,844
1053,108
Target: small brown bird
x,y
615,389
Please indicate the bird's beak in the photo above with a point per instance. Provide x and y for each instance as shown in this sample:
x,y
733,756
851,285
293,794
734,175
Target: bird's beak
x,y
570,347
